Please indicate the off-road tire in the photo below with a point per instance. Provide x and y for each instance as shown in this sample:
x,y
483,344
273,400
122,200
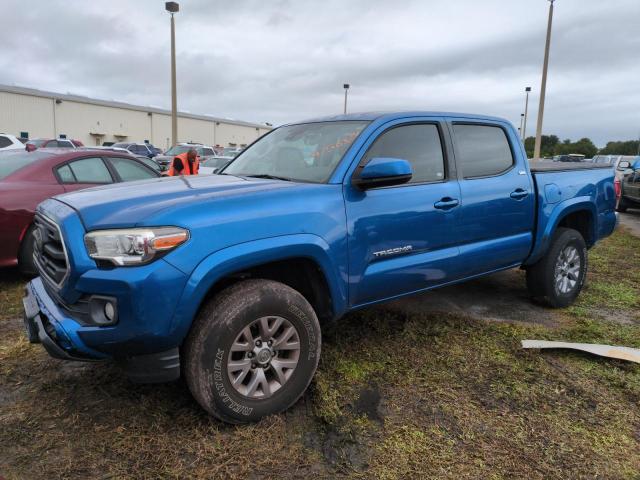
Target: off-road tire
x,y
206,349
25,255
541,277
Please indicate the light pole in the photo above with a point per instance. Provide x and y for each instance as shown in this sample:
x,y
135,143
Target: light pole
x,y
520,129
346,89
543,86
172,8
526,113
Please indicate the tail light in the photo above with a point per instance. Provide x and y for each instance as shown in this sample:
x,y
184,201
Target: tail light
x,y
617,187
29,147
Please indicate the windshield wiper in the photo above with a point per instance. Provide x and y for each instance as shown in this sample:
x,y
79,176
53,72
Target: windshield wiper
x,y
271,177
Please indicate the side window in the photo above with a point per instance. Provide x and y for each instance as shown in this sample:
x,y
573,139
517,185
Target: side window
x,y
207,151
4,142
65,144
482,150
418,144
130,170
90,170
65,174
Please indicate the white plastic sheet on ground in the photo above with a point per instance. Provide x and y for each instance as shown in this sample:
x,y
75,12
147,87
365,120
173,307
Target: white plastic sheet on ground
x,y
610,351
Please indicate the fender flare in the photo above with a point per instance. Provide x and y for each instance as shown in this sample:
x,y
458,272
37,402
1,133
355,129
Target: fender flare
x,y
251,254
559,212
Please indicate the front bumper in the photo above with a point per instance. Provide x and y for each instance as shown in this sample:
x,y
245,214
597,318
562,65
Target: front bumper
x,y
45,323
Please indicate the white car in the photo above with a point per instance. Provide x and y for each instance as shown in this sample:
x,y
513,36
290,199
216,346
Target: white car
x,y
9,142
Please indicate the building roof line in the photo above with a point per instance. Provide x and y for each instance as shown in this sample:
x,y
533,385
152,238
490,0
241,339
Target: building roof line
x,y
116,104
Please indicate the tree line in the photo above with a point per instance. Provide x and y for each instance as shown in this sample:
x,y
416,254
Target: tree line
x,y
551,145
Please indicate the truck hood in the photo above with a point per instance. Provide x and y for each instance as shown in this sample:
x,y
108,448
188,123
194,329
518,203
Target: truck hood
x,y
131,203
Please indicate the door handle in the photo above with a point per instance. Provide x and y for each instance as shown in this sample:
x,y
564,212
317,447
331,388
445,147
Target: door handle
x,y
519,193
446,203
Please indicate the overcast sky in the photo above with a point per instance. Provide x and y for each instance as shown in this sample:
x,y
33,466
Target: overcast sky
x,y
278,61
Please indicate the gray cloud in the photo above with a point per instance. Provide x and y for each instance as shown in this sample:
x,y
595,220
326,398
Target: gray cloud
x,y
285,60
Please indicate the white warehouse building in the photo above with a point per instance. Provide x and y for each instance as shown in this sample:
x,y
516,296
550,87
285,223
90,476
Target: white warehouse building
x,y
26,112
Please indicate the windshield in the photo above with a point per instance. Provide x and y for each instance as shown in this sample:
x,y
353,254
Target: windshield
x,y
307,152
13,161
177,150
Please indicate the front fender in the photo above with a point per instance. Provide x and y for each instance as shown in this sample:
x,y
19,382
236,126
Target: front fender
x,y
251,254
551,215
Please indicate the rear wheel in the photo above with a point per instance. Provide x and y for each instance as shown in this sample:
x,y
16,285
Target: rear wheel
x,y
252,351
25,256
621,205
557,278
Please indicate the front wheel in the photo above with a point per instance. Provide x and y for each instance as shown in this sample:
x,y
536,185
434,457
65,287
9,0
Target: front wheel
x,y
252,351
557,278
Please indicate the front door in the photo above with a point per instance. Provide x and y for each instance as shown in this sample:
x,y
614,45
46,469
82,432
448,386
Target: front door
x,y
402,238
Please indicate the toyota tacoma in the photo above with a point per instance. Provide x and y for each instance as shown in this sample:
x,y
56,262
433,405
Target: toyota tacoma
x,y
227,279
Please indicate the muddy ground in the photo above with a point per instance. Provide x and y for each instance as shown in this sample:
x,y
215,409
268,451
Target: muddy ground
x,y
430,386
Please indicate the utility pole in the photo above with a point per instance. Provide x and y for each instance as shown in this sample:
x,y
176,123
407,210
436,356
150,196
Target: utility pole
x,y
526,113
543,86
346,89
520,129
172,8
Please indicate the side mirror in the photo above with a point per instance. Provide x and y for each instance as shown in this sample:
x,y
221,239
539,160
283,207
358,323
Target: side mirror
x,y
382,172
624,164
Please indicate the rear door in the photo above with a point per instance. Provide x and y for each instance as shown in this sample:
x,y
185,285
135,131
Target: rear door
x,y
83,173
401,238
496,218
631,186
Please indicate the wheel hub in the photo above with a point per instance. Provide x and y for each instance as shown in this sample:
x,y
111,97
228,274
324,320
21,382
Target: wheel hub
x,y
567,270
263,357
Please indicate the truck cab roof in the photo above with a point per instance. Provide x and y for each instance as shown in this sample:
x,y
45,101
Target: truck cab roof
x,y
371,116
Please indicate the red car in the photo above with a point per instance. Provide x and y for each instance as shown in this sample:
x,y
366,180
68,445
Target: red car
x,y
36,143
28,178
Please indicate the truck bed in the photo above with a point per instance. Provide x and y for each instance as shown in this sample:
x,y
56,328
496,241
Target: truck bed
x,y
541,167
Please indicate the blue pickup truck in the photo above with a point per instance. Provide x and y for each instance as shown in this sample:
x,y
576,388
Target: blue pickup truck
x,y
226,279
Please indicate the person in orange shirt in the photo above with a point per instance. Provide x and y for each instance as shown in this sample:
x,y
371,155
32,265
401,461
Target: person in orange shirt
x,y
184,164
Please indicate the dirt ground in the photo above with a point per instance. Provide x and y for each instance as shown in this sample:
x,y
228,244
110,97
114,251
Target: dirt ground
x,y
434,385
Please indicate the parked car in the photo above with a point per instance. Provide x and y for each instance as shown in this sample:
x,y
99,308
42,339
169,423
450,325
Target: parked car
x,y
213,164
36,143
145,149
628,185
231,151
227,278
572,157
204,153
10,142
27,178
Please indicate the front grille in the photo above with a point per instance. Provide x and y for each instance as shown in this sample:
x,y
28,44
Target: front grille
x,y
48,252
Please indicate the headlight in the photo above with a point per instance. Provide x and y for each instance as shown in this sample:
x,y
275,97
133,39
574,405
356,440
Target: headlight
x,y
135,246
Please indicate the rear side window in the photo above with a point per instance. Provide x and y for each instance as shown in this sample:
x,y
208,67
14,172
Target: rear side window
x,y
482,150
65,174
130,170
90,170
4,141
418,144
